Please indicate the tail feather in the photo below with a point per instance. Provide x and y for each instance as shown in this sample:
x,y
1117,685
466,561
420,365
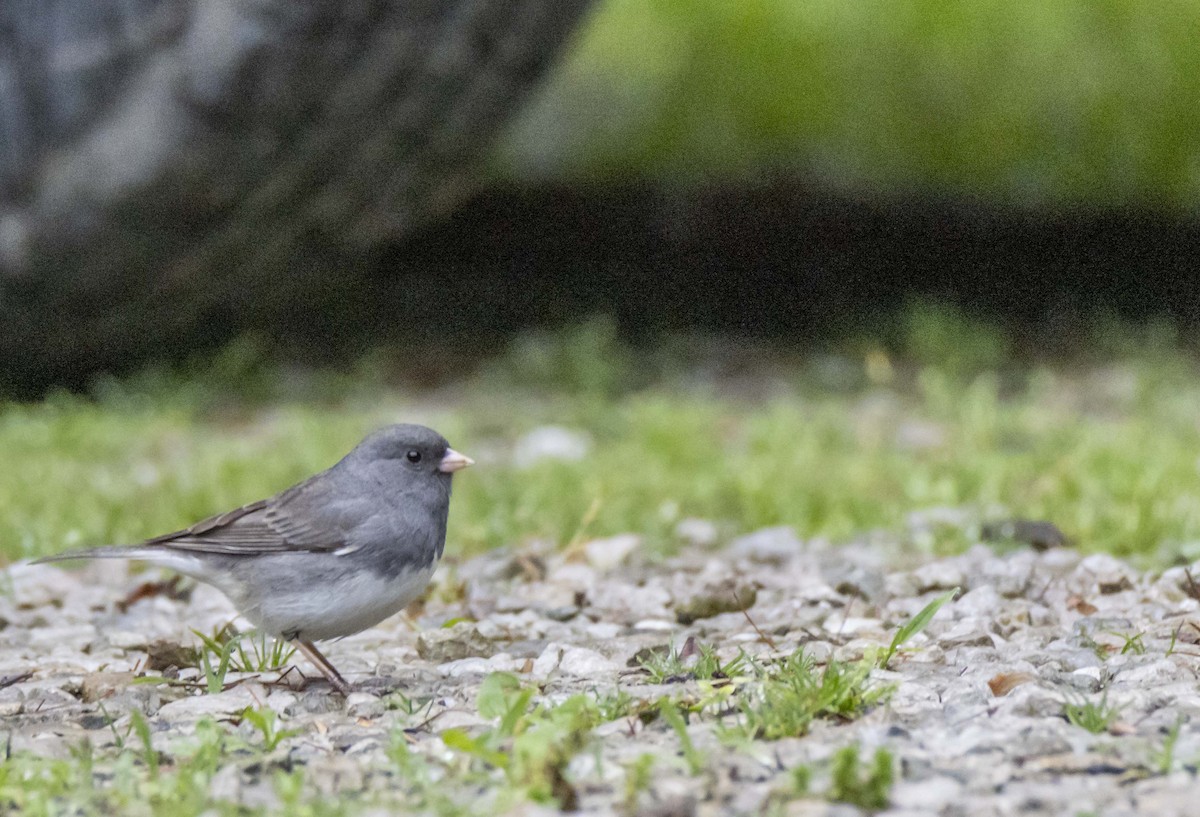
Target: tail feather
x,y
105,552
188,564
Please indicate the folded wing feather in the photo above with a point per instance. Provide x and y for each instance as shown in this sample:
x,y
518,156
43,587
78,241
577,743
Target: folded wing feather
x,y
274,525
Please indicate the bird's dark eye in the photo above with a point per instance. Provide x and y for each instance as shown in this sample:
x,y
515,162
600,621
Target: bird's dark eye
x,y
413,456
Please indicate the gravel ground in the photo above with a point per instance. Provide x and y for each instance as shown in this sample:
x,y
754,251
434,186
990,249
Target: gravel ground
x,y
975,721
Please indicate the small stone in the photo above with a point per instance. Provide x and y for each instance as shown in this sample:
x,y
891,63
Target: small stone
x,y
1031,700
1011,578
100,685
362,747
818,651
942,575
979,602
852,579
900,585
164,653
969,633
672,797
1151,672
491,629
463,640
927,796
840,624
697,532
712,600
282,701
316,702
606,554
1182,583
464,667
75,636
1109,574
574,661
226,784
49,745
127,640
855,649
1066,655
40,586
565,613
1038,534
218,705
584,663
520,649
467,667
769,545
624,603
364,705
603,630
34,697
550,443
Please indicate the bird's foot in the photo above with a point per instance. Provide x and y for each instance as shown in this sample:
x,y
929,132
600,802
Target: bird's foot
x,y
310,651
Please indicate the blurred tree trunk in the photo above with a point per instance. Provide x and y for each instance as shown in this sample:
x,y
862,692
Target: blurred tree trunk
x,y
170,167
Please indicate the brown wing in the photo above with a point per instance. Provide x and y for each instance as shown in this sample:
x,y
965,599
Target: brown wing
x,y
266,526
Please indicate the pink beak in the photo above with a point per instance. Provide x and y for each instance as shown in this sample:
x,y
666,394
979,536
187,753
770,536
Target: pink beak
x,y
454,461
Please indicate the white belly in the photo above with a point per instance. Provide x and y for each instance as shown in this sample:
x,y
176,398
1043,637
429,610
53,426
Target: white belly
x,y
357,602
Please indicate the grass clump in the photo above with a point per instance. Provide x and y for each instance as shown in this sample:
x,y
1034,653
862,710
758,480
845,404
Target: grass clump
x,y
638,776
1093,716
530,747
266,723
866,785
671,665
1164,758
796,692
135,782
225,650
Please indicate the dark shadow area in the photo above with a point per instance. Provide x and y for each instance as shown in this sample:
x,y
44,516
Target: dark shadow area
x,y
780,262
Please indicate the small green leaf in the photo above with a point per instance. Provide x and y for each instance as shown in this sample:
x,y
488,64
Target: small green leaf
x,y
670,713
150,680
916,624
461,741
142,729
494,694
450,622
517,708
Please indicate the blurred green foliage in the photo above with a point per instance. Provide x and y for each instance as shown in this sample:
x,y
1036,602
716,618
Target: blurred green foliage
x,y
1027,100
877,436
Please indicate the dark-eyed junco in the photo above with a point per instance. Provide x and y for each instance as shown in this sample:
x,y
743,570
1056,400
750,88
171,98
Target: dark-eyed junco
x,y
331,556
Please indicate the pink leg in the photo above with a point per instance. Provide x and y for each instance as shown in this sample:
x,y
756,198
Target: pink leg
x,y
327,669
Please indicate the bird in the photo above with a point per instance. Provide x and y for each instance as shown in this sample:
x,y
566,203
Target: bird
x,y
329,557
